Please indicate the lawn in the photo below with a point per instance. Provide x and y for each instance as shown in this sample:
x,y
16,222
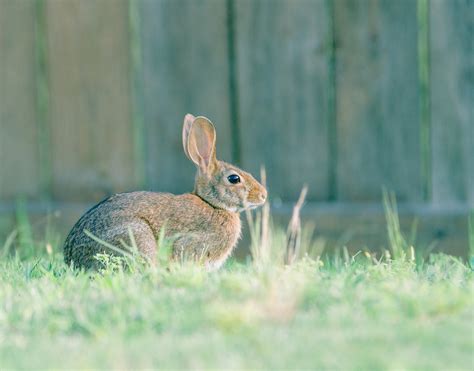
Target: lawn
x,y
339,312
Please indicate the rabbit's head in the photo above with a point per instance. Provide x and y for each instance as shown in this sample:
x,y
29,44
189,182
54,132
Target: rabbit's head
x,y
222,185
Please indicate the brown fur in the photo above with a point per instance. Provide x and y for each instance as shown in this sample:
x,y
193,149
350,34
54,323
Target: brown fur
x,y
205,225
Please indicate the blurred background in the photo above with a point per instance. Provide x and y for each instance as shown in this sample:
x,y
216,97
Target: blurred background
x,y
348,96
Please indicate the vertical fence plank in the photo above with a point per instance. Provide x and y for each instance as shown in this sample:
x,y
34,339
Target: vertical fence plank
x,y
452,97
92,135
136,78
185,69
283,50
18,130
377,99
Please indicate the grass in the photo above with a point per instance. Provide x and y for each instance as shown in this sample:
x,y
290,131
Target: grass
x,y
365,312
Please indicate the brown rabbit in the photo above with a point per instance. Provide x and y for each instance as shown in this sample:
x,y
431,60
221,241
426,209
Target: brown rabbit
x,y
204,224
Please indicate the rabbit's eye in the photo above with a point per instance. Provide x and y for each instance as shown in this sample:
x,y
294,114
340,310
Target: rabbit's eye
x,y
233,178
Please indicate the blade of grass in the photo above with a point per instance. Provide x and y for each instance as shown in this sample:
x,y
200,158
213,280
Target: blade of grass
x,y
109,246
471,235
294,229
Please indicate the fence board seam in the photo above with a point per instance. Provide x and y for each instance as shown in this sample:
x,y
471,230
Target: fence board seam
x,y
136,83
42,99
332,112
233,83
424,86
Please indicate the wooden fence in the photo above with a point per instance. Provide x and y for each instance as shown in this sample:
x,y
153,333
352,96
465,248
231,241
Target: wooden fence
x,y
348,96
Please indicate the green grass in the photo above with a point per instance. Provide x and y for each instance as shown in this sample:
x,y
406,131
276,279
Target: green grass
x,y
363,312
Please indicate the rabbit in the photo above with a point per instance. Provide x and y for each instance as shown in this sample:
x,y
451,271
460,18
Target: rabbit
x,y
203,226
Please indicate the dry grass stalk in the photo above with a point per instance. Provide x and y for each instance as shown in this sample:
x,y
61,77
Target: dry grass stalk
x,y
293,233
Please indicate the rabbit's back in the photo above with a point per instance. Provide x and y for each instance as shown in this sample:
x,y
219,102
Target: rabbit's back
x,y
200,229
109,221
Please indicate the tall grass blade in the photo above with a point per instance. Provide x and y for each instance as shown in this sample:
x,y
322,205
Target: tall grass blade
x,y
116,249
25,233
293,244
471,237
9,242
400,248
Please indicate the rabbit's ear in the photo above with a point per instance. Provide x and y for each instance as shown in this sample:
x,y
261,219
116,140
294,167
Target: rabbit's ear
x,y
188,121
201,147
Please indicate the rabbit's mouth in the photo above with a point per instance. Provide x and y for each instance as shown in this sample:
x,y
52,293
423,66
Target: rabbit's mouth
x,y
251,205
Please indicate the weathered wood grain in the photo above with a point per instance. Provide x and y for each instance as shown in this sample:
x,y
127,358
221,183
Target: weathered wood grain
x,y
283,92
19,165
91,130
452,100
377,96
185,69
